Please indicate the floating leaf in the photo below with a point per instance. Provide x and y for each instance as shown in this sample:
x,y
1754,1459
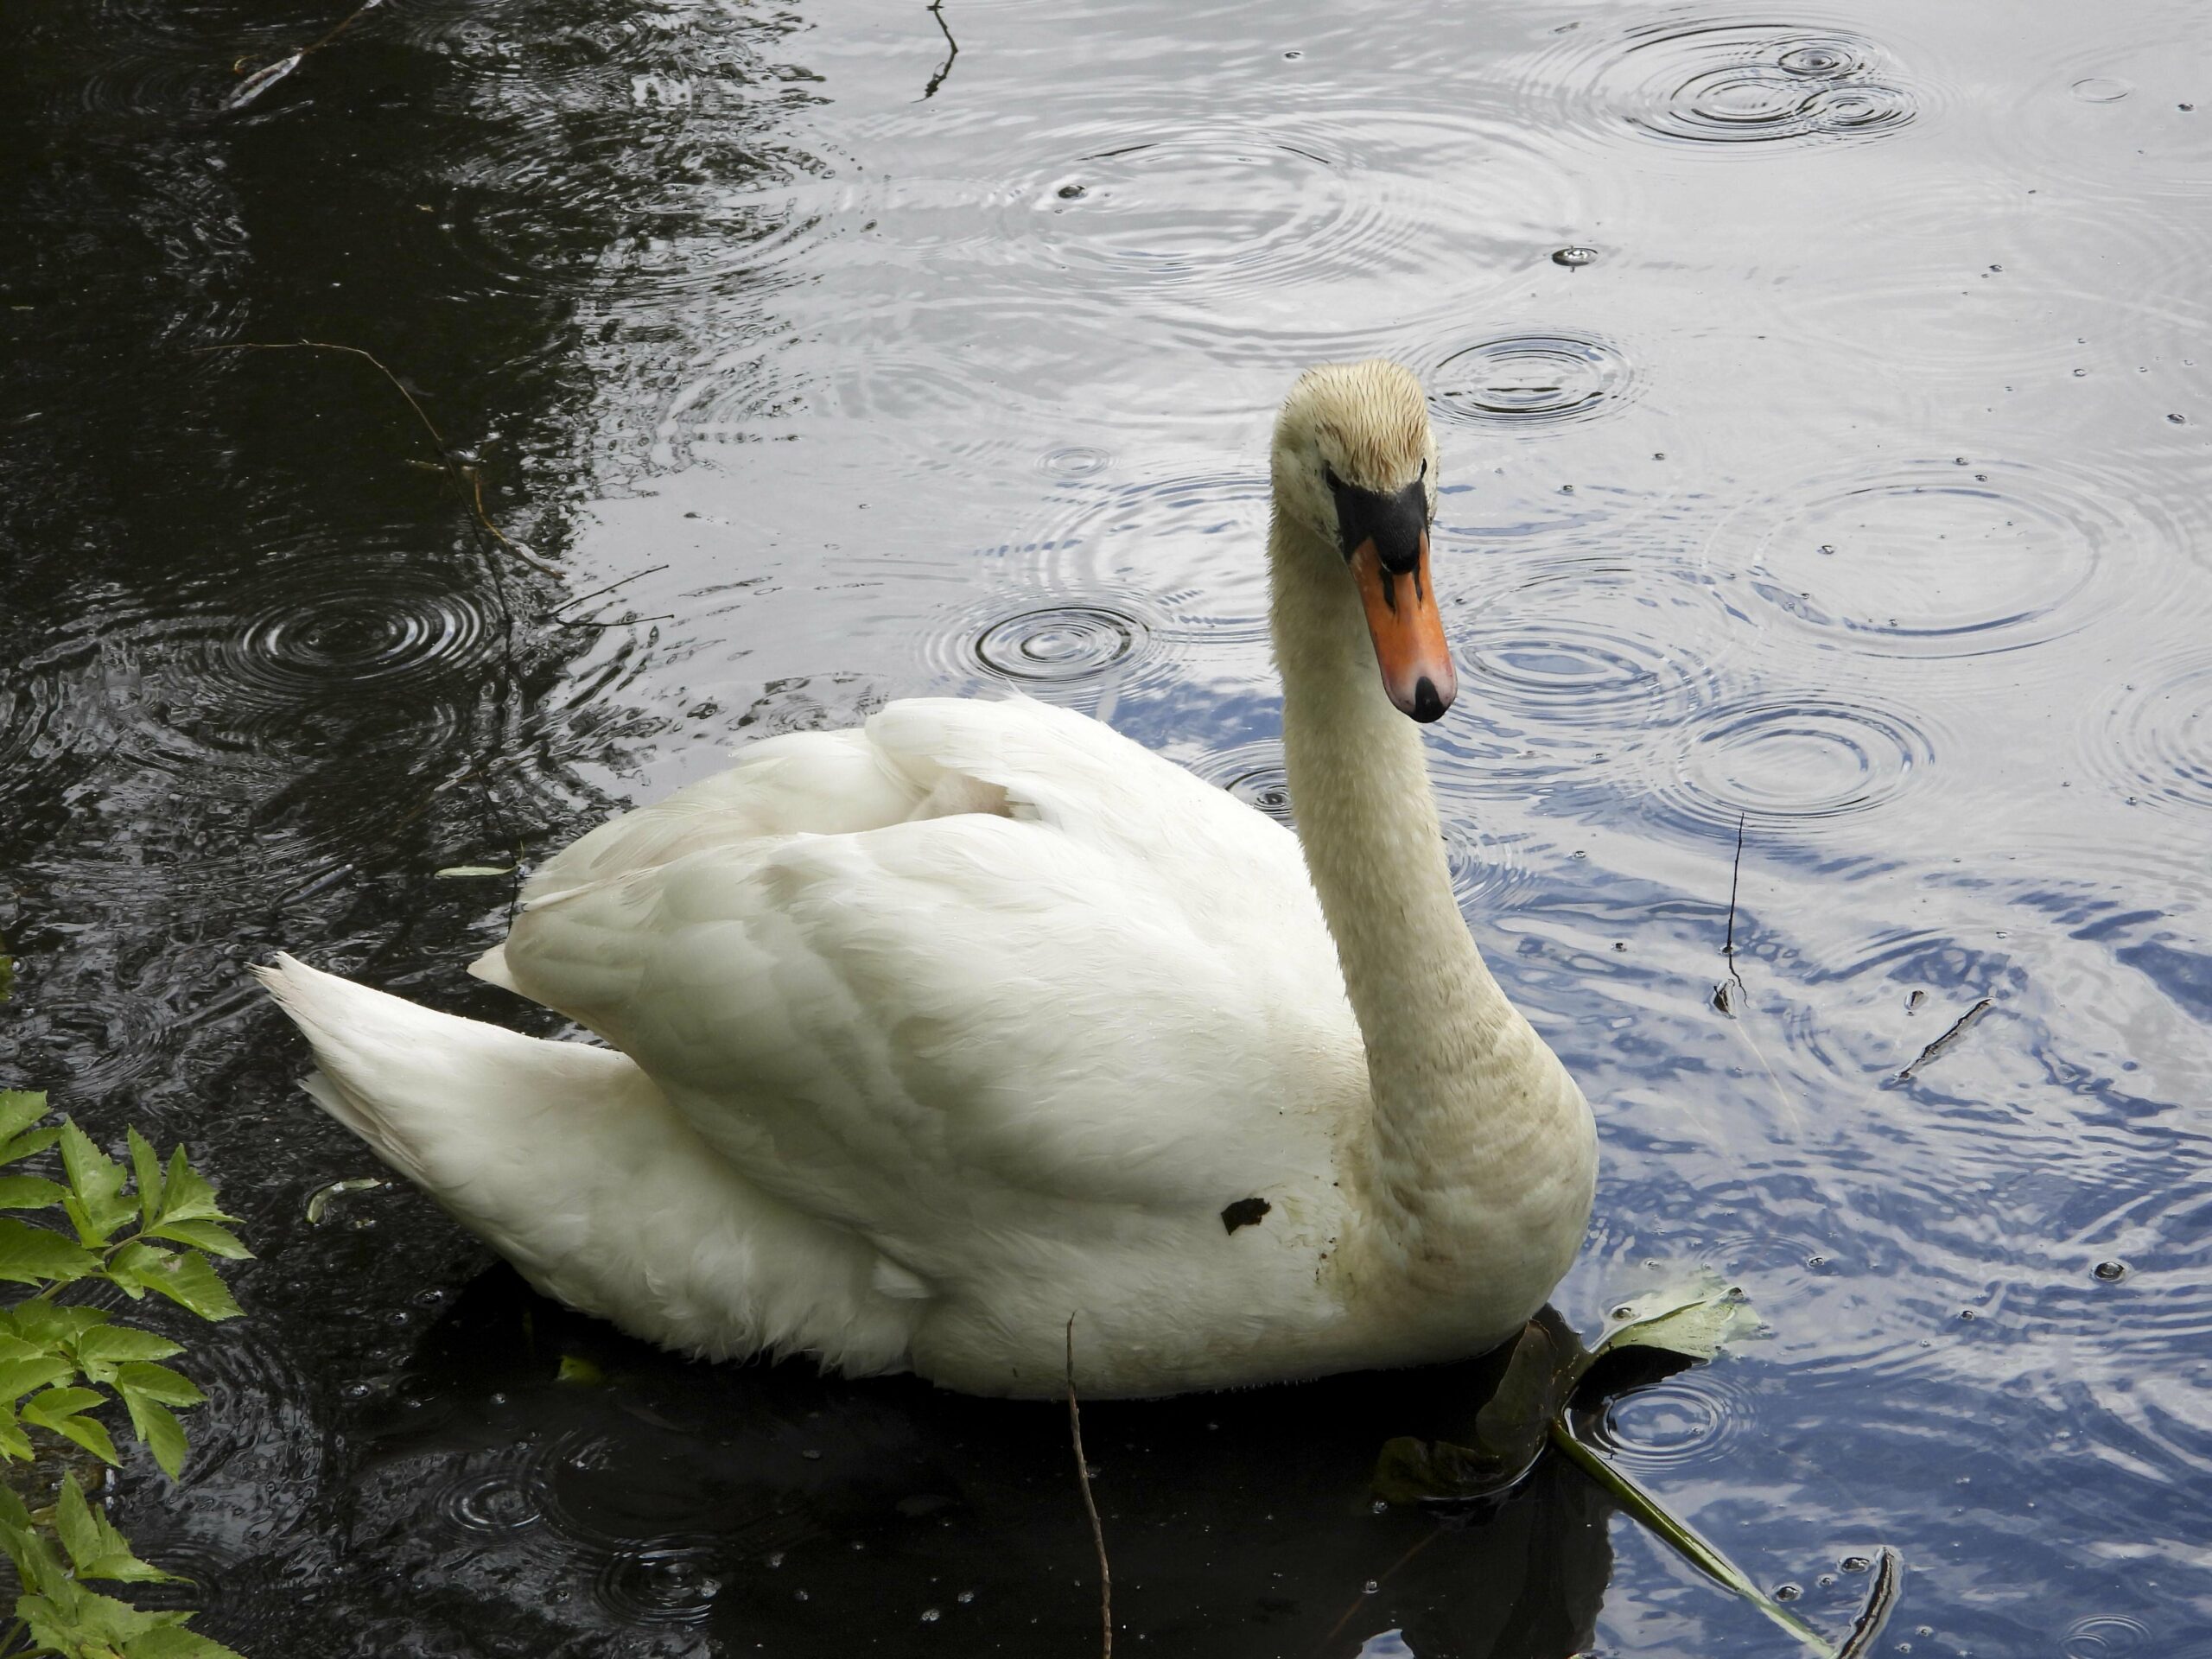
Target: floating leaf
x,y
59,1410
574,1368
34,1255
261,81
96,1549
1695,1324
319,1199
451,870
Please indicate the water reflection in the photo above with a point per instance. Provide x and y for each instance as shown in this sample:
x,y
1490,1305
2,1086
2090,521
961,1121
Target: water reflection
x,y
765,1504
860,394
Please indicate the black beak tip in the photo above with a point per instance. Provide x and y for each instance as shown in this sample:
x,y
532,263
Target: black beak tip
x,y
1428,704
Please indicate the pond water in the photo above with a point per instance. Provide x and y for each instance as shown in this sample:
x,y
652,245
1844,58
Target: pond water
x,y
1823,394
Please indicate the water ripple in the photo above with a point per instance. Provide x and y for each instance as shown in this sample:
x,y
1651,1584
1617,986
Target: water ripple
x,y
1702,82
1950,557
2152,743
665,1583
1684,1420
1530,379
1786,763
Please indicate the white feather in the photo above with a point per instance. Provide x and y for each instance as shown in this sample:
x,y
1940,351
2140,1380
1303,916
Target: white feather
x,y
932,1034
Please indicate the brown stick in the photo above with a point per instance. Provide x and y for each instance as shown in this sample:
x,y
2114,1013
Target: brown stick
x,y
1090,1509
474,495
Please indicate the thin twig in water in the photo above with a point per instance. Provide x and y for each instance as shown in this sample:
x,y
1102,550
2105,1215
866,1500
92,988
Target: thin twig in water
x,y
553,615
936,10
1383,1577
1090,1509
269,74
1721,999
455,467
1936,1050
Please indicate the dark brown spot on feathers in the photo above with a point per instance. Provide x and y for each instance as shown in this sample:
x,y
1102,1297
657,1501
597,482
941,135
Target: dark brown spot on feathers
x,y
1245,1212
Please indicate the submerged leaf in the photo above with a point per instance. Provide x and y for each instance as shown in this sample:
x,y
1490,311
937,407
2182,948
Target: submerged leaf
x,y
1412,1472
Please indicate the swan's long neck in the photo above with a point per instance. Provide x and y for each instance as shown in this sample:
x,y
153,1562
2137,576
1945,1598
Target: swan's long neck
x,y
1458,1082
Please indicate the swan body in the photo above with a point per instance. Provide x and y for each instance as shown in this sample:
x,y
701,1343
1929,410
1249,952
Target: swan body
x,y
928,1036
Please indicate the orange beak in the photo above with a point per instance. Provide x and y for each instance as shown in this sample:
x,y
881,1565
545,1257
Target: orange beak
x,y
1408,633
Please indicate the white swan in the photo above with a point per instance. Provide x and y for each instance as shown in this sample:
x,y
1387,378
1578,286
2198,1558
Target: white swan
x,y
930,1034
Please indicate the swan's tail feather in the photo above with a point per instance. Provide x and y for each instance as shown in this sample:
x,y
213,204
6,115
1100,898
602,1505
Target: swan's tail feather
x,y
569,1161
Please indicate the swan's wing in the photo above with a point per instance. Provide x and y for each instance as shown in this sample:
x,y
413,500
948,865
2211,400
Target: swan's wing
x,y
1120,991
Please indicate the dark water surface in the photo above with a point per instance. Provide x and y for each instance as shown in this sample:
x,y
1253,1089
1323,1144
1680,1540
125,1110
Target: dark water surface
x,y
1824,399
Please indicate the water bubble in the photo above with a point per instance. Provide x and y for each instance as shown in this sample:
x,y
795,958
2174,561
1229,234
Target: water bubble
x,y
1070,192
2112,1272
1856,1564
1369,1588
931,1615
1575,257
1787,1591
2178,420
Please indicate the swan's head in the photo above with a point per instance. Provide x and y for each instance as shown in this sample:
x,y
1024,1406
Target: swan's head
x,y
1355,468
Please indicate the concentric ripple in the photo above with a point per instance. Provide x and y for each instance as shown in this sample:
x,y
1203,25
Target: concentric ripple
x,y
2153,741
1055,644
1530,379
1253,773
661,1584
1680,1421
2107,1636
1933,557
1699,81
1785,762
1587,658
496,1495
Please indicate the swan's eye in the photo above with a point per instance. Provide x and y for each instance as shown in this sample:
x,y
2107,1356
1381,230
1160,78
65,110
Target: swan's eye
x,y
1329,477
1424,467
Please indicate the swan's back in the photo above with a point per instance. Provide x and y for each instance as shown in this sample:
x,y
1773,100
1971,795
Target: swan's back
x,y
1021,1003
